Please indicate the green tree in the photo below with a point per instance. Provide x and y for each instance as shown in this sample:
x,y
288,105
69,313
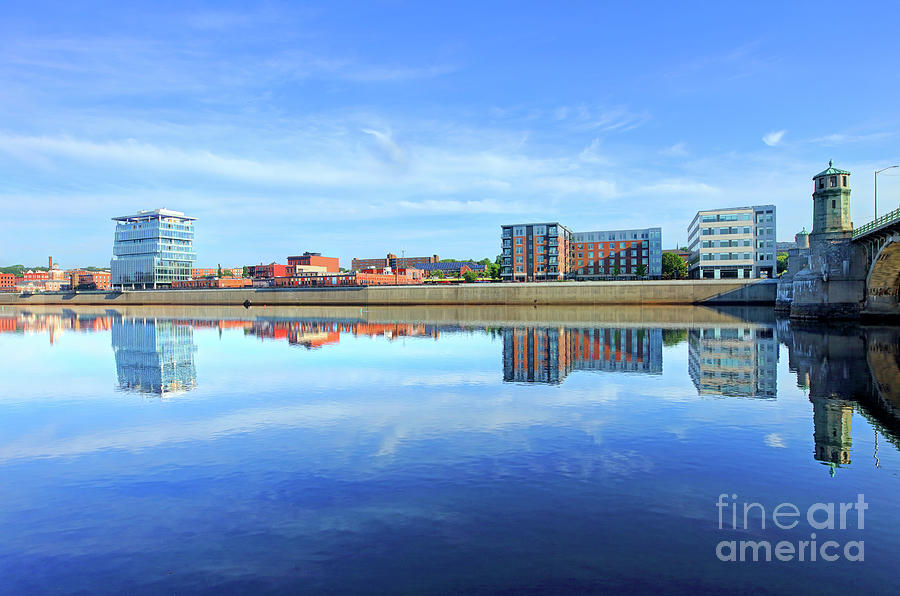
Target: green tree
x,y
14,269
226,272
470,276
219,272
640,270
245,272
673,337
616,270
673,266
781,262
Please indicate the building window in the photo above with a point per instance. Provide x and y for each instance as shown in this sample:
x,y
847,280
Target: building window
x,y
845,181
833,204
832,181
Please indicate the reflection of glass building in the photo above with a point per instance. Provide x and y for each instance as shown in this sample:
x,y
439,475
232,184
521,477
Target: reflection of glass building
x,y
736,361
154,356
547,355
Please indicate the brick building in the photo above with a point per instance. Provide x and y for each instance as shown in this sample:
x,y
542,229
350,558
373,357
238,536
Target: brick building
x,y
369,277
452,268
268,271
36,275
598,255
392,261
90,280
552,252
535,252
200,273
7,282
212,283
314,259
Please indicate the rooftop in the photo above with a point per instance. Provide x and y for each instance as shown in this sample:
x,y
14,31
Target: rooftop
x,y
831,170
155,213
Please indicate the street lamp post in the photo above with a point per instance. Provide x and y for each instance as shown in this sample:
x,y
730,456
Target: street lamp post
x,y
876,186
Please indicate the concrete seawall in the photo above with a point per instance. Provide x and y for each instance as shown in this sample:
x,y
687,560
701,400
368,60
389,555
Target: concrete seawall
x,y
710,292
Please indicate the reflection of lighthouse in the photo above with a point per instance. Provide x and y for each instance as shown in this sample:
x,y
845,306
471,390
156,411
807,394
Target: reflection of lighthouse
x,y
154,356
832,418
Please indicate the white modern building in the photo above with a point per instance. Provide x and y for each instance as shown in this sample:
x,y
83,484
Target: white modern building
x,y
152,249
737,242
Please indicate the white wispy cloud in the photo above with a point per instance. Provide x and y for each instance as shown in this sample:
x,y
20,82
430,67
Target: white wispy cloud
x,y
676,150
773,138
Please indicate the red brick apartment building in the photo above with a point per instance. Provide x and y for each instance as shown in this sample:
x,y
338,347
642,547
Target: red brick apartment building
x,y
7,282
314,259
392,261
535,252
551,252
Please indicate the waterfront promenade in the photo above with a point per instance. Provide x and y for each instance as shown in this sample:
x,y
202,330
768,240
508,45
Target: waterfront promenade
x,y
561,293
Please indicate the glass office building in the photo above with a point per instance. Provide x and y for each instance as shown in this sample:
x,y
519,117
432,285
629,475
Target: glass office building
x,y
152,249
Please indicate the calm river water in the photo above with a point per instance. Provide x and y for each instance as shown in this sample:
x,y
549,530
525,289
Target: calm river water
x,y
445,450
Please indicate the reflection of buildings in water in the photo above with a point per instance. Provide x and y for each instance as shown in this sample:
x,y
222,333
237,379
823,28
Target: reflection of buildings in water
x,y
549,354
832,419
315,334
53,325
154,355
733,361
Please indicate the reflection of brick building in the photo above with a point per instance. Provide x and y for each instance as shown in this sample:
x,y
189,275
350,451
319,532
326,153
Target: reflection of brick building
x,y
315,334
735,361
548,355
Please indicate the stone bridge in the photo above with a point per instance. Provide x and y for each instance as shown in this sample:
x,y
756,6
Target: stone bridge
x,y
838,271
878,246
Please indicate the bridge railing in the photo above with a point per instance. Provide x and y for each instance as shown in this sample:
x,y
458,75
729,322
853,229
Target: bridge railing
x,y
885,219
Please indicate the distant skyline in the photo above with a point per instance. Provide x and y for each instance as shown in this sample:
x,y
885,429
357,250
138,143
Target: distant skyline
x,y
358,129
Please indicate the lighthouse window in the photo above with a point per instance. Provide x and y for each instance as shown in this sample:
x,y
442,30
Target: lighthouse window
x,y
821,183
832,181
833,204
845,181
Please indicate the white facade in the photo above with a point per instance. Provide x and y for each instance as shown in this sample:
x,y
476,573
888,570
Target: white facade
x,y
736,242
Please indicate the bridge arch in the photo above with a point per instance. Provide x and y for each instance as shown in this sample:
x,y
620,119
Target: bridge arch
x,y
883,279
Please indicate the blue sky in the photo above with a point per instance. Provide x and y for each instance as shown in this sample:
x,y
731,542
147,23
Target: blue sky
x,y
355,129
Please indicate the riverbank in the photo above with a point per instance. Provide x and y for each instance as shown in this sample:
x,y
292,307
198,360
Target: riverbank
x,y
761,292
